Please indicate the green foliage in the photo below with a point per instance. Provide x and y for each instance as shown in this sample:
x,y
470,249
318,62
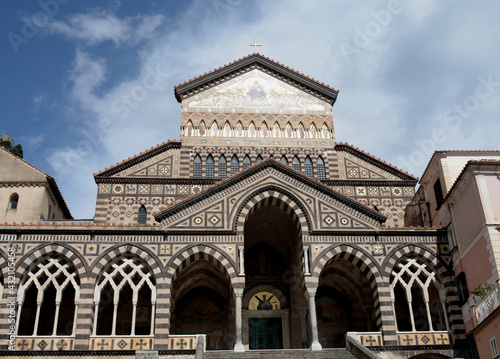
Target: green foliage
x,y
482,291
16,150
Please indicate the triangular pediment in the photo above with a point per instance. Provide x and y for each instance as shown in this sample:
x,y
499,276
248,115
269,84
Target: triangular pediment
x,y
256,91
219,207
249,64
154,163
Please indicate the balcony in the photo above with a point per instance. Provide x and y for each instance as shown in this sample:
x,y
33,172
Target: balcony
x,y
487,305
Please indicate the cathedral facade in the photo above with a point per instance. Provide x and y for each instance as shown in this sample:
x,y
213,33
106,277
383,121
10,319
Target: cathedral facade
x,y
256,229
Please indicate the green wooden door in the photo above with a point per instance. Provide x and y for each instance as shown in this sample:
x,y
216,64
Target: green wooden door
x,y
265,333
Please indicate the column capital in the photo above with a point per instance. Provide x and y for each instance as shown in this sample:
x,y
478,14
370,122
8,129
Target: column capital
x,y
311,292
238,292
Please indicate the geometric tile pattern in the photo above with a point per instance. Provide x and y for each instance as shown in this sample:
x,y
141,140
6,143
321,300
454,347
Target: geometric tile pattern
x,y
424,338
121,343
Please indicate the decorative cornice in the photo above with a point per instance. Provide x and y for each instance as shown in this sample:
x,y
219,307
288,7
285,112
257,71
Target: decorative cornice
x,y
131,161
264,64
157,180
269,163
346,182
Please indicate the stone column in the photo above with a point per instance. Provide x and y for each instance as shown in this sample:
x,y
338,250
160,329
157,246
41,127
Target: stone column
x,y
241,250
238,294
311,295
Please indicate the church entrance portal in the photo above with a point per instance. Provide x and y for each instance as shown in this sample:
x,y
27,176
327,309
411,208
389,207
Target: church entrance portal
x,y
273,277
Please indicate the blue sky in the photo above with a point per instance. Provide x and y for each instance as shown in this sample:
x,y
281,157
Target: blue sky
x,y
87,84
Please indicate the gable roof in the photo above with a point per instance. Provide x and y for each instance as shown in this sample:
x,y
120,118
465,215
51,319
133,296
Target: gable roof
x,y
38,176
251,62
267,163
131,161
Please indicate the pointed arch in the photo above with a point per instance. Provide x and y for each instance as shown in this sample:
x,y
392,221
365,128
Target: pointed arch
x,y
197,166
222,166
251,130
325,131
210,167
214,129
313,132
308,165
235,165
264,130
142,216
247,162
258,159
189,129
284,160
296,163
320,168
239,130
227,129
202,128
288,130
301,132
276,130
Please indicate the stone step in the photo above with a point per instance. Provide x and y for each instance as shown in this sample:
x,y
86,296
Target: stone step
x,y
280,354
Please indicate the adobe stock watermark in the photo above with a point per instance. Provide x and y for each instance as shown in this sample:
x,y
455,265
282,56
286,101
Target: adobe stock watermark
x,y
32,24
451,118
371,31
121,106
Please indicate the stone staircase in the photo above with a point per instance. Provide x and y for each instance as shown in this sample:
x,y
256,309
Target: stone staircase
x,y
281,354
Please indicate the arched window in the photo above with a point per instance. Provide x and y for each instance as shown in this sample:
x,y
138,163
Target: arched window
x,y
309,167
143,215
296,163
301,131
258,159
288,131
202,128
222,167
246,162
235,165
325,132
14,199
189,129
418,298
284,160
251,130
214,130
227,130
313,133
48,298
197,167
320,166
276,130
210,169
125,299
239,130
264,130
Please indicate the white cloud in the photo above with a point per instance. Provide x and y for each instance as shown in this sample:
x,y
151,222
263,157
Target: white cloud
x,y
99,26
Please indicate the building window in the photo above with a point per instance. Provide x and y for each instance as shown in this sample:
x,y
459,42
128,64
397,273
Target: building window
x,y
14,199
309,167
438,193
48,299
125,299
258,159
210,169
143,215
320,165
463,292
418,298
197,167
246,162
222,167
494,347
235,165
284,160
296,163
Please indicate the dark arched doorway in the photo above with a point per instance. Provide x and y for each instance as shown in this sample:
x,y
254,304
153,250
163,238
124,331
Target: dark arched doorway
x,y
344,302
200,304
273,258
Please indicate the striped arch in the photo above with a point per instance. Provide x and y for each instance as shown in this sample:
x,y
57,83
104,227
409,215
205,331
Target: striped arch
x,y
351,254
121,250
277,197
3,264
445,276
367,266
196,252
32,258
